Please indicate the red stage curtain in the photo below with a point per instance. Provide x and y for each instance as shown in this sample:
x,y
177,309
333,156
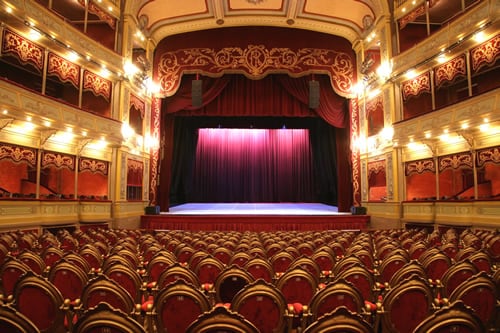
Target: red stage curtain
x,y
252,165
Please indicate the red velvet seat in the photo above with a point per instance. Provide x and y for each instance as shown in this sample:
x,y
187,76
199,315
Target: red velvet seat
x,y
456,317
10,271
104,318
103,289
263,305
175,272
129,279
158,264
68,278
177,305
341,320
229,282
41,302
456,275
260,268
33,261
411,296
335,294
362,279
12,321
480,293
220,319
208,269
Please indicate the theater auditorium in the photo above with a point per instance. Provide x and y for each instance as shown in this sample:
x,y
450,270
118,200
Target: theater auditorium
x,y
240,166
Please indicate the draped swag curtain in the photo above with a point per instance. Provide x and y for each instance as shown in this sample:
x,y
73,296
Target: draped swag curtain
x,y
234,101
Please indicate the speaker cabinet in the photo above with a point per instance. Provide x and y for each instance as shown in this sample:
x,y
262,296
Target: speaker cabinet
x,y
152,210
313,94
358,210
196,93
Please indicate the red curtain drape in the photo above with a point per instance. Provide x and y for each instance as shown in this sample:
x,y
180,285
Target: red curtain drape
x,y
252,165
238,96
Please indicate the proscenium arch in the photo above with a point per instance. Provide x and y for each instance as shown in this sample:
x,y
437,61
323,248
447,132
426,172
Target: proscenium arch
x,y
255,52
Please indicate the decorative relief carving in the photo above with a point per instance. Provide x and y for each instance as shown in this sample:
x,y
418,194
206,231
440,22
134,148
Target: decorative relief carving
x,y
123,177
58,160
96,84
17,210
24,50
455,161
375,167
155,153
256,61
138,104
65,70
94,166
18,154
486,53
416,86
355,156
450,70
389,176
419,167
491,155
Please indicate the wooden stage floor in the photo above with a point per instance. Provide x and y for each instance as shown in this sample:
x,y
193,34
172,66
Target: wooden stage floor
x,y
254,217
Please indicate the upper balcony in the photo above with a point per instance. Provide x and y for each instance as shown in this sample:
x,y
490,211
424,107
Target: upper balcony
x,y
453,36
60,31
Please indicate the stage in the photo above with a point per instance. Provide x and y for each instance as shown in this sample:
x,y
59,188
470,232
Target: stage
x,y
254,217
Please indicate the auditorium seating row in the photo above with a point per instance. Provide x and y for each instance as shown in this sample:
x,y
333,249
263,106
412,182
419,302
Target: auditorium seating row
x,y
181,281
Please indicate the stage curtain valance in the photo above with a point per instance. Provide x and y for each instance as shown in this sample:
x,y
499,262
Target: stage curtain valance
x,y
275,95
254,52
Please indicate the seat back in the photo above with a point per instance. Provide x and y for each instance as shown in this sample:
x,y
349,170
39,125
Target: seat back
x,y
103,289
33,261
281,261
68,278
158,264
480,293
104,318
127,278
391,264
220,319
362,279
263,305
436,265
409,269
260,268
340,320
411,296
41,302
10,272
457,317
456,275
178,305
335,294
297,286
12,321
229,282
208,269
175,272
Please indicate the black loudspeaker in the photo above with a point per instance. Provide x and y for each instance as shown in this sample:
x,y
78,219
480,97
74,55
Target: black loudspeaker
x,y
196,93
152,210
313,94
358,210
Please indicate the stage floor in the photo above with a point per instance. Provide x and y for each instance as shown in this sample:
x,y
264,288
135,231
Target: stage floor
x,y
254,217
254,209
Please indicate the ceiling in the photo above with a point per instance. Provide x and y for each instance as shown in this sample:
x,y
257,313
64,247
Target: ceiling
x,y
351,19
